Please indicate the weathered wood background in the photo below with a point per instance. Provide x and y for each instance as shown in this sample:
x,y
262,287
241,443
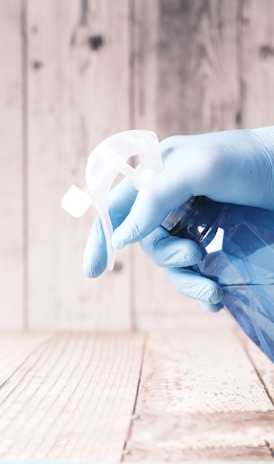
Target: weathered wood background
x,y
76,71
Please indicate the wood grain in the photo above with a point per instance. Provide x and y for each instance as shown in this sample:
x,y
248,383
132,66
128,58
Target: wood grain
x,y
200,399
12,199
71,398
78,94
198,51
257,61
15,348
262,364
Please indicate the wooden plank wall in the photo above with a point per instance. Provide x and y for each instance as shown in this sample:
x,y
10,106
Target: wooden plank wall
x,y
76,71
12,196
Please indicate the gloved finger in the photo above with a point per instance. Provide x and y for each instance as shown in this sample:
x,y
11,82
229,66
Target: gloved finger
x,y
174,252
213,308
196,286
95,253
121,198
169,251
152,205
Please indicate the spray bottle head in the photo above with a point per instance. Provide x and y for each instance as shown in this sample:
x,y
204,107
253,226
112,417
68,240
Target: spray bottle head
x,y
105,162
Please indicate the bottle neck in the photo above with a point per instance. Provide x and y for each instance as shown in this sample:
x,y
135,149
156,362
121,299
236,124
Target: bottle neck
x,y
197,219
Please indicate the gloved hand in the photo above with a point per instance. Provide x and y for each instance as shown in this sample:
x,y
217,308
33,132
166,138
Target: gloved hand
x,y
230,166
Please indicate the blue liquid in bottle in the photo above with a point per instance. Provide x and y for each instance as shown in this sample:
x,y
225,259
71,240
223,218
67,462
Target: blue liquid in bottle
x,y
238,252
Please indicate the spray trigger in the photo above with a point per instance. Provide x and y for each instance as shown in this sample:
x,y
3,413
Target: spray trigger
x,y
105,162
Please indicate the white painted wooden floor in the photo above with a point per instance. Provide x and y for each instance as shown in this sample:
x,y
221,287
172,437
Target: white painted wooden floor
x,y
118,397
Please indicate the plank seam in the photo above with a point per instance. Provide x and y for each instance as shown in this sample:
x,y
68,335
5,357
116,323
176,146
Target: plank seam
x,y
252,362
124,451
270,449
240,106
268,394
132,114
24,51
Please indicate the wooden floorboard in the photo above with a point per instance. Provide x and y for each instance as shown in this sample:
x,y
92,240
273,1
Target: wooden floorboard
x,y
15,348
200,398
72,399
193,395
262,365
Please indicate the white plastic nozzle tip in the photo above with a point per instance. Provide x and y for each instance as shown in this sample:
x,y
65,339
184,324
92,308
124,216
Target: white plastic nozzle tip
x,y
76,202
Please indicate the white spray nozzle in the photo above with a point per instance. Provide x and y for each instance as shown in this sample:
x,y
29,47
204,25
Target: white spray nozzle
x,y
76,202
105,162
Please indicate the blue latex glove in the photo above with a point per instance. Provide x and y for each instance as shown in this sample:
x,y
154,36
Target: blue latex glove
x,y
230,166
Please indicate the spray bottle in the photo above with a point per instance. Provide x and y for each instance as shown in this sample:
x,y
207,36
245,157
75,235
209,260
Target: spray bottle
x,y
237,242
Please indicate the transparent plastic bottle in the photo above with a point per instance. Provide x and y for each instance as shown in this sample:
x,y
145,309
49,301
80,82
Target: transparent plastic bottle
x,y
237,243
